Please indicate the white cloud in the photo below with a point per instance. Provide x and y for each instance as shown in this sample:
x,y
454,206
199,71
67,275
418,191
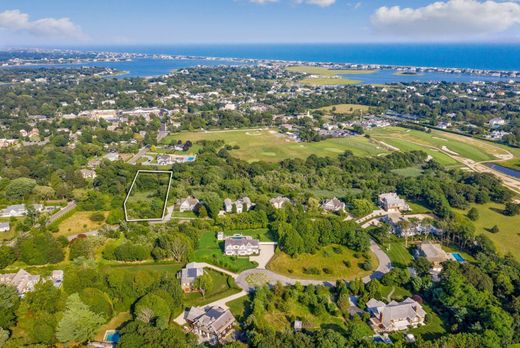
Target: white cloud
x,y
320,3
63,28
453,19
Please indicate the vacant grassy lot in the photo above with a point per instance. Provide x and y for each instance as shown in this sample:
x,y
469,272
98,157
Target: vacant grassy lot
x,y
398,253
344,108
270,146
331,262
210,251
508,238
79,222
147,198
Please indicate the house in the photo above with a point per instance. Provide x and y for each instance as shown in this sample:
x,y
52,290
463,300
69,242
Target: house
x,y
395,316
391,201
220,235
88,173
298,325
279,201
112,156
188,275
433,253
211,324
18,210
188,204
333,204
241,204
408,226
239,245
22,280
57,277
4,227
496,122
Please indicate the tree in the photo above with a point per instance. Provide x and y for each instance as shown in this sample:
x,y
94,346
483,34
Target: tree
x,y
473,214
512,209
79,323
422,265
175,246
9,302
19,188
204,283
362,207
494,229
7,256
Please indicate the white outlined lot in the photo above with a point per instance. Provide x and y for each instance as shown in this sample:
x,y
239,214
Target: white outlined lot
x,y
165,198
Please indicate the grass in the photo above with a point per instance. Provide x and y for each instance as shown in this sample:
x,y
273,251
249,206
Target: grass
x,y
223,286
314,70
210,251
332,257
507,240
409,172
397,293
271,146
432,143
239,307
262,234
147,198
344,108
79,222
113,324
434,327
172,267
328,81
398,254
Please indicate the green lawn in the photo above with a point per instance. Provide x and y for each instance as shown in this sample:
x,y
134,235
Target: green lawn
x,y
397,253
262,234
79,222
329,259
223,286
395,292
239,307
508,238
432,143
434,327
210,251
344,108
271,146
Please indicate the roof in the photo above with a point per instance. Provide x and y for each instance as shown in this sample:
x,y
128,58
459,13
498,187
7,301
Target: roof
x,y
396,311
279,199
190,200
4,225
191,272
212,319
433,252
241,240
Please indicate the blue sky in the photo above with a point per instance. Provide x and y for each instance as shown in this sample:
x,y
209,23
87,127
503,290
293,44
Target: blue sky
x,y
123,22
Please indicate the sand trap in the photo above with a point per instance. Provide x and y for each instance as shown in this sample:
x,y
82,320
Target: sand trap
x,y
444,148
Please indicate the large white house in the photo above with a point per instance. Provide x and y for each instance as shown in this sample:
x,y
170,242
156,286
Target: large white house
x,y
391,201
188,204
242,204
333,204
238,245
25,282
395,316
18,210
210,324
278,202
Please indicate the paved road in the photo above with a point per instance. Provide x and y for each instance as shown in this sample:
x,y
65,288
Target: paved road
x,y
385,265
71,205
135,158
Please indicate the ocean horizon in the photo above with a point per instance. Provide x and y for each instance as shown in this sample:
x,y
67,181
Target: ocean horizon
x,y
488,56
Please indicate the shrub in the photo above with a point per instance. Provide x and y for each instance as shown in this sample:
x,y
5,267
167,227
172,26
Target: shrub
x,y
326,270
311,270
98,301
366,266
347,263
97,217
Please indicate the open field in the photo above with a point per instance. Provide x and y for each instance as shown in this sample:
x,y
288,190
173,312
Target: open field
x,y
508,238
344,108
223,286
270,146
398,253
328,81
329,262
210,251
439,144
79,222
315,70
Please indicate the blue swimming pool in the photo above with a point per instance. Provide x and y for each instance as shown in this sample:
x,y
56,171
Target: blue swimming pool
x,y
457,257
112,336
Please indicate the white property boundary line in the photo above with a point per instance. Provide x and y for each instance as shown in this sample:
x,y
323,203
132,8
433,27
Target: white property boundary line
x,y
165,200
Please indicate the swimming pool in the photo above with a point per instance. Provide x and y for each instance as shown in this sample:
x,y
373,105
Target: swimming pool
x,y
112,336
458,257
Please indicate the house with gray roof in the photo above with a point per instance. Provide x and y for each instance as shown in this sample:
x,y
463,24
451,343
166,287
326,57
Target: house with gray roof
x,y
188,275
391,201
22,280
18,210
395,316
433,252
239,245
278,202
333,204
211,324
188,204
4,227
242,204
